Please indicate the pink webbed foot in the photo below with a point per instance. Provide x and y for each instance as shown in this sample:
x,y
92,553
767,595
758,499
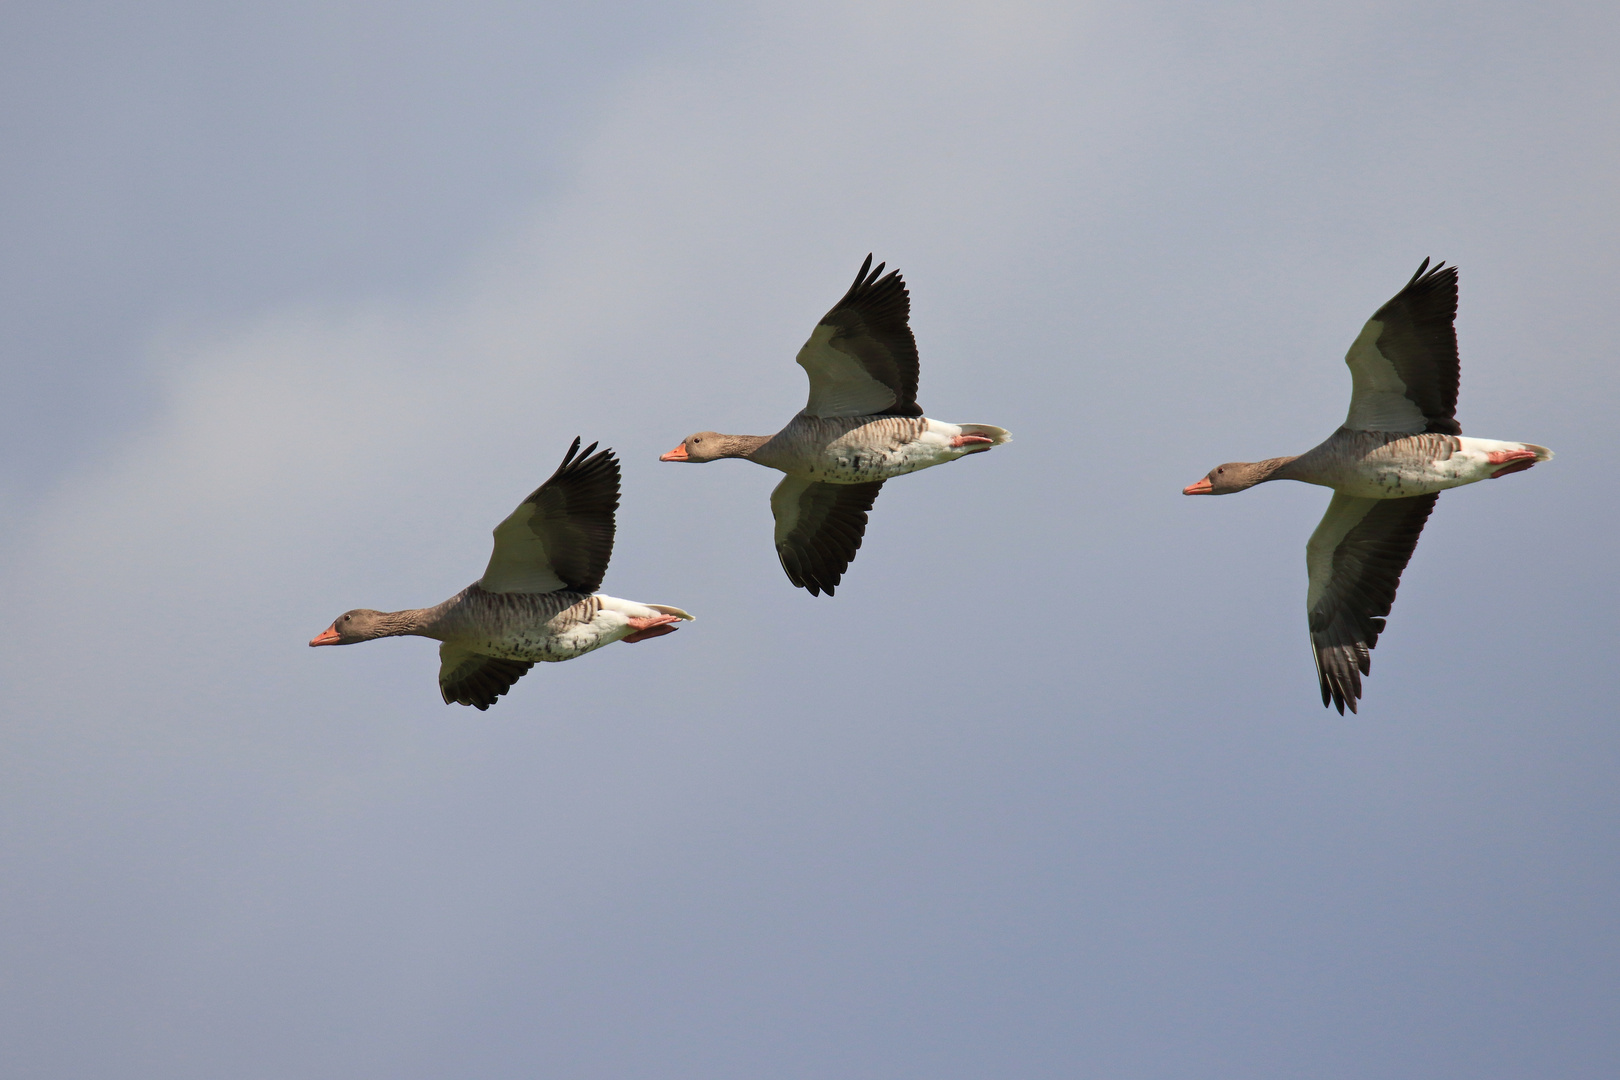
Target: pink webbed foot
x,y
969,440
651,627
1515,460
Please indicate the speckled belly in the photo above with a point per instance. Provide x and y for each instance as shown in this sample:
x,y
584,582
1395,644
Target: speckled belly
x,y
529,627
862,465
540,648
857,451
1394,484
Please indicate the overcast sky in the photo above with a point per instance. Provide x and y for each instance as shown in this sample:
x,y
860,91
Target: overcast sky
x,y
298,300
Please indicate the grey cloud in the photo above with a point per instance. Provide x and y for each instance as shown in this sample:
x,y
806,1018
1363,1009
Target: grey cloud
x,y
1045,791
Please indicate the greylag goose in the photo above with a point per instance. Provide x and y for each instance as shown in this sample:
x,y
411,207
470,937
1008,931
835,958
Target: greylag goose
x,y
1399,447
537,600
861,427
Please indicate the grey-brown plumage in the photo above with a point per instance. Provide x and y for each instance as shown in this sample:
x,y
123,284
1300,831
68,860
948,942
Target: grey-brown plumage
x,y
1399,447
536,600
861,426
1366,566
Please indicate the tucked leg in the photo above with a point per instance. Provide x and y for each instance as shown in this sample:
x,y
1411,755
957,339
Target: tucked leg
x,y
1514,460
653,626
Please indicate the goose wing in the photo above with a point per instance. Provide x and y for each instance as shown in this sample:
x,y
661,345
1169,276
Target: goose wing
x,y
819,529
1403,365
861,357
469,678
561,536
1355,559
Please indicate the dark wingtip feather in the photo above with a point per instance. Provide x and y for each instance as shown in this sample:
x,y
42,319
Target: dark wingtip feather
x,y
816,555
1336,675
483,685
572,450
1352,614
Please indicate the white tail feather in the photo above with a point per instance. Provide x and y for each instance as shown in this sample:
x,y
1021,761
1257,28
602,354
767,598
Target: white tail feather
x,y
996,435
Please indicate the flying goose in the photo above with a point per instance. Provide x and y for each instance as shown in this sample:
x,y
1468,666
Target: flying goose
x,y
537,600
862,426
1399,447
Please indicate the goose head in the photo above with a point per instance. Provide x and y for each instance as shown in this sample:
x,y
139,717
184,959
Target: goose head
x,y
1233,476
361,624
711,446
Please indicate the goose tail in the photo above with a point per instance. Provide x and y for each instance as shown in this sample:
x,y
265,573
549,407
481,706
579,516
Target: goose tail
x,y
996,435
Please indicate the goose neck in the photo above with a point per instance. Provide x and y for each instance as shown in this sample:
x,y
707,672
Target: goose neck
x,y
741,446
1277,468
418,622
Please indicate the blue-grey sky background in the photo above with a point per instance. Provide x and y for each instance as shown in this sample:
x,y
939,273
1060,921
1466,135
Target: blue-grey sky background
x,y
299,299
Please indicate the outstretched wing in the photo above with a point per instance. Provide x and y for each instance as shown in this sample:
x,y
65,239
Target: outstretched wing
x,y
1403,366
469,678
1355,559
861,357
819,529
561,537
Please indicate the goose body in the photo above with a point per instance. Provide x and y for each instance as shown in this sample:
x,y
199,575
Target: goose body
x,y
1399,447
859,449
537,627
1391,465
535,602
861,427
